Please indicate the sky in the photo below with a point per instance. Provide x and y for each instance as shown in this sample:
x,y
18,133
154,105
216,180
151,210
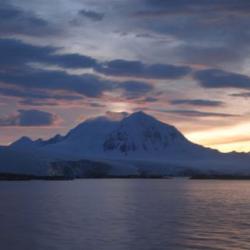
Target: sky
x,y
186,62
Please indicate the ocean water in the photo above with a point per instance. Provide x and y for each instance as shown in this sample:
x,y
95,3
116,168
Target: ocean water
x,y
119,214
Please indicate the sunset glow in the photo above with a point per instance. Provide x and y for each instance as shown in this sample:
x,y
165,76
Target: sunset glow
x,y
234,138
80,60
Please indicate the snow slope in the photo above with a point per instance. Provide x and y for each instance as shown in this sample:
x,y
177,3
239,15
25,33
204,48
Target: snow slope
x,y
136,141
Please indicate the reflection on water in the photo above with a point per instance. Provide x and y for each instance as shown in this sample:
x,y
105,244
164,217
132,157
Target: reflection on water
x,y
125,214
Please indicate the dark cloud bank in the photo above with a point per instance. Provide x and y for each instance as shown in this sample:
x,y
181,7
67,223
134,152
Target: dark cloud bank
x,y
14,20
17,72
197,102
29,118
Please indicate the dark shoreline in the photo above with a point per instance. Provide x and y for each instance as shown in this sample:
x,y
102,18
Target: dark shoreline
x,y
27,177
220,177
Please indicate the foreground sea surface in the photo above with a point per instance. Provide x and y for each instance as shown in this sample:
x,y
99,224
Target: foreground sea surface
x,y
125,214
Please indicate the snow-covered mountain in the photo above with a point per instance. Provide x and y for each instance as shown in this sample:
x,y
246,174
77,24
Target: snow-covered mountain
x,y
136,136
136,142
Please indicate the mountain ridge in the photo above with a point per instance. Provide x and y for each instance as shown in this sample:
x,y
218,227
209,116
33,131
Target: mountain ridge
x,y
136,141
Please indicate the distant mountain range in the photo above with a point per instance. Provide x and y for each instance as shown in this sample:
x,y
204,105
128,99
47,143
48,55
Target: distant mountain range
x,y
137,144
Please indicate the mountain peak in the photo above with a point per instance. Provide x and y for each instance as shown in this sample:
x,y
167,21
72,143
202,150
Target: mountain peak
x,y
24,141
139,113
140,133
140,116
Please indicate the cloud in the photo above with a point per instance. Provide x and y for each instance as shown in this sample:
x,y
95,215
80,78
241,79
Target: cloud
x,y
207,31
121,67
209,54
197,102
194,113
92,15
15,53
243,94
38,102
135,89
14,20
192,7
36,94
97,105
72,61
34,82
20,79
150,99
216,78
29,118
88,85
